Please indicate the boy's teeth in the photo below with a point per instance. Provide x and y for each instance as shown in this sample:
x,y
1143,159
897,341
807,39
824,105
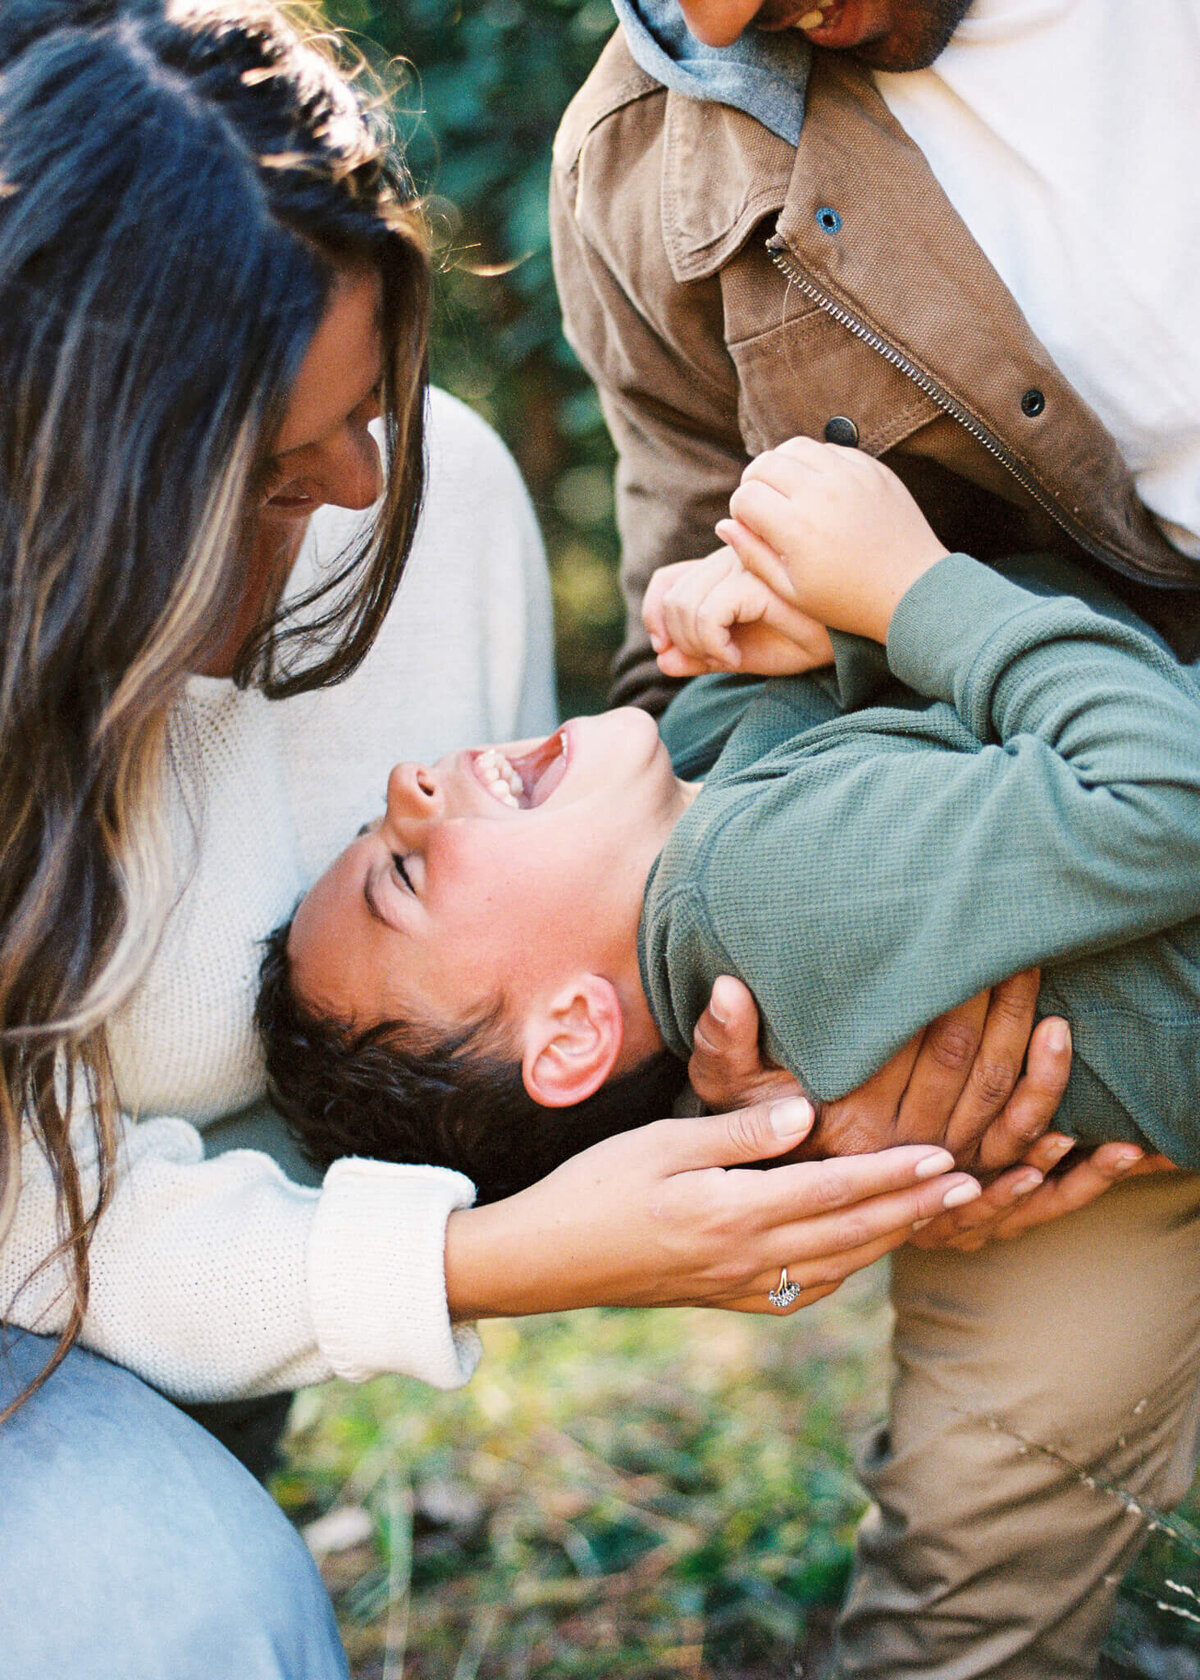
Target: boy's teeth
x,y
503,781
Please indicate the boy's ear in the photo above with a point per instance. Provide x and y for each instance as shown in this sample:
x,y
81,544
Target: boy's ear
x,y
571,1043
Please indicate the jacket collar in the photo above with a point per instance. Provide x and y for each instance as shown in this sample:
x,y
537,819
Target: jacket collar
x,y
903,264
722,173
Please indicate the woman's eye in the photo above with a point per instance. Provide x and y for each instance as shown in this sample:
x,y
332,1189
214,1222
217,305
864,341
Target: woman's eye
x,y
398,865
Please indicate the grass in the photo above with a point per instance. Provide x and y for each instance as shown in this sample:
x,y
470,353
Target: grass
x,y
652,1495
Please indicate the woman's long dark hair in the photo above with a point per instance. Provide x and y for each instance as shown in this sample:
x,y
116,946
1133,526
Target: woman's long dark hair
x,y
181,182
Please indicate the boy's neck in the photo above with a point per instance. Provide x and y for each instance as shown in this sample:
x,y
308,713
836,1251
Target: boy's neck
x,y
642,1037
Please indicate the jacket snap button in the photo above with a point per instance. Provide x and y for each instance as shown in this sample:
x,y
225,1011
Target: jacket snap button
x,y
1033,402
841,430
828,219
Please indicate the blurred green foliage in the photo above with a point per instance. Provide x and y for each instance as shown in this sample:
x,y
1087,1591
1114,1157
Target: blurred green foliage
x,y
479,106
662,1496
650,1495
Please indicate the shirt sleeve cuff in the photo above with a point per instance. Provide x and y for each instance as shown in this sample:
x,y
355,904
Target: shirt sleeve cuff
x,y
945,618
377,1274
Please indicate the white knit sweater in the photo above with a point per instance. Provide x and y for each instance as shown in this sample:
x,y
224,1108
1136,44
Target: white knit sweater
x,y
217,1278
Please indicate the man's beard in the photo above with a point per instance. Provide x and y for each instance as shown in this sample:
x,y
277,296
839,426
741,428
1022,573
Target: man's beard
x,y
922,30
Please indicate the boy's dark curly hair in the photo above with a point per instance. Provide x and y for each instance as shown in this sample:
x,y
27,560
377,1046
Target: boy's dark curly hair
x,y
397,1092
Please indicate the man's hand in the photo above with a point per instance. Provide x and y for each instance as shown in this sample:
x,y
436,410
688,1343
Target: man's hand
x,y
1018,1200
714,615
981,1080
832,531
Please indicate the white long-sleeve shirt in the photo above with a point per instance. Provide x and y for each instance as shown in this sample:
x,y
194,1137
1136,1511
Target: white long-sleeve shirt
x,y
219,1277
1066,133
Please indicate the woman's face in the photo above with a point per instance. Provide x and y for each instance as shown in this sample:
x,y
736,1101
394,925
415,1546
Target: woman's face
x,y
322,453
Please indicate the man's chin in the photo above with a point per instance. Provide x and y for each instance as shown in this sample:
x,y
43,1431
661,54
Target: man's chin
x,y
920,34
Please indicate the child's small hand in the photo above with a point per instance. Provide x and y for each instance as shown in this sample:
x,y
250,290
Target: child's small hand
x,y
714,615
832,531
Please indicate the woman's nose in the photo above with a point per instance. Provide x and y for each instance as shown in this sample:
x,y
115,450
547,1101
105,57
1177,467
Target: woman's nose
x,y
350,471
413,793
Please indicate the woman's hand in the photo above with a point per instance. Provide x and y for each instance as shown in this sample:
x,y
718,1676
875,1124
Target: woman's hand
x,y
714,615
832,531
981,1080
670,1215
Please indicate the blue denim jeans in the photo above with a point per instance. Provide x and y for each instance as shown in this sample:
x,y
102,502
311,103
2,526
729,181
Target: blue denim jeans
x,y
134,1547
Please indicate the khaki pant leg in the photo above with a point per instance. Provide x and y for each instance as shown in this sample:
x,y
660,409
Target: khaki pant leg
x,y
1047,1390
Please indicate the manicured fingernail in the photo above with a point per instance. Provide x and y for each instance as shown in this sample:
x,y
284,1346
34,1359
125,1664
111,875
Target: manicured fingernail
x,y
1057,1147
961,1194
1059,1036
791,1118
920,1224
1123,1162
931,1165
1025,1184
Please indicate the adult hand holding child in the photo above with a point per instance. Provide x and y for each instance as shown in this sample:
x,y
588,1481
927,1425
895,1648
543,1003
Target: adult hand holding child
x,y
823,535
669,1215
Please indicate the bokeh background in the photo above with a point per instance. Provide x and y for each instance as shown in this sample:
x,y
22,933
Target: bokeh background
x,y
478,103
616,1494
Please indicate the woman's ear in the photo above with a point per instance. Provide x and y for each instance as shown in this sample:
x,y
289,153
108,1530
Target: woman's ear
x,y
572,1042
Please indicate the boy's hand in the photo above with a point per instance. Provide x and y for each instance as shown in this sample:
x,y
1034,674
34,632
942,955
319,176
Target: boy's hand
x,y
832,531
714,615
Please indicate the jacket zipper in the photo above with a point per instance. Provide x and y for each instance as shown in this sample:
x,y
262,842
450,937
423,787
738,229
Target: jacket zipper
x,y
782,258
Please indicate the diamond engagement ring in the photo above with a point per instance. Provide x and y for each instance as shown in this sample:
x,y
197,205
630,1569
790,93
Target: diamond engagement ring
x,y
784,1292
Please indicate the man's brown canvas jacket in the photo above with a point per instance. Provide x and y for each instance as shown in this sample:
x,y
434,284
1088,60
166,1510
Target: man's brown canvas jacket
x,y
727,292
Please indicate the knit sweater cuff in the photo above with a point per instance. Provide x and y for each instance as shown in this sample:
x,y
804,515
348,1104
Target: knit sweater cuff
x,y
943,621
377,1276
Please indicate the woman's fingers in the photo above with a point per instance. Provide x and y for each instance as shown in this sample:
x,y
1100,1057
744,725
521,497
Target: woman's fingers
x,y
819,1207
824,1251
1022,1199
854,1216
733,1139
726,1069
756,1299
971,1226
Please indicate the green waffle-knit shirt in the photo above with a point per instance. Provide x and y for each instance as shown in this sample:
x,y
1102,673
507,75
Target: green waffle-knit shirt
x,y
1023,788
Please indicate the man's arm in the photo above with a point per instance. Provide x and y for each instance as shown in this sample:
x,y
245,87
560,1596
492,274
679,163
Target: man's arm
x,y
668,388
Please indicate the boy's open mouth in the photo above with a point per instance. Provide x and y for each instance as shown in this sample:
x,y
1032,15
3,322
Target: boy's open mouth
x,y
527,779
